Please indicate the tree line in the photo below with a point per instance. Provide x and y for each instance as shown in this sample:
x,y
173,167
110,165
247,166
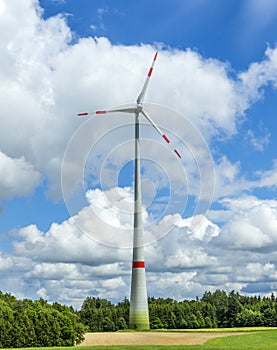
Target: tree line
x,y
213,310
27,323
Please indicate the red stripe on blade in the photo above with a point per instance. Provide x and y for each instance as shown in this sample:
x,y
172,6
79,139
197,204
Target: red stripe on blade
x,y
81,114
166,139
178,154
156,54
101,112
138,264
150,72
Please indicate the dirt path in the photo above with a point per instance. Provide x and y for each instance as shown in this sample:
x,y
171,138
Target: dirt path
x,y
150,338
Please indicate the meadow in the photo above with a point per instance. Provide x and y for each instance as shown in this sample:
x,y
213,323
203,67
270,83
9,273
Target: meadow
x,y
253,339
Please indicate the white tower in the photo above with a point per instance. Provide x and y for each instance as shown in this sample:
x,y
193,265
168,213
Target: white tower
x,y
139,315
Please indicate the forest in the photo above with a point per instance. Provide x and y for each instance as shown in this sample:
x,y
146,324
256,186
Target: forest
x,y
27,323
213,310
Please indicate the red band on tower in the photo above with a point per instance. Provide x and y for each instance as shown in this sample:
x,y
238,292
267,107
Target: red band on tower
x,y
138,265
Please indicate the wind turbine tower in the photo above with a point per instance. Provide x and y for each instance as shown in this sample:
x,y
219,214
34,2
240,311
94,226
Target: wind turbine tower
x,y
139,314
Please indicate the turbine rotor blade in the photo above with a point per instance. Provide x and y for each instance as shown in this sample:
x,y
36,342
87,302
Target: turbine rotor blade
x,y
122,110
151,121
114,110
147,116
142,93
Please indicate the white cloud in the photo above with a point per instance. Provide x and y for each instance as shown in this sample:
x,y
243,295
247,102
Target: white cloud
x,y
17,177
211,98
231,181
115,206
42,293
259,75
66,265
228,177
262,270
252,225
2,7
259,143
243,235
6,263
269,177
45,81
28,48
51,80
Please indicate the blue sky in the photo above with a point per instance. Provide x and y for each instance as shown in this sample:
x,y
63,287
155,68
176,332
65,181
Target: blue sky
x,y
233,31
66,182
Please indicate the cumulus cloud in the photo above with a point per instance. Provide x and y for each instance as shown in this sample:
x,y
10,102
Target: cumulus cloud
x,y
252,225
27,50
269,177
6,263
17,177
64,261
66,264
231,181
51,79
259,75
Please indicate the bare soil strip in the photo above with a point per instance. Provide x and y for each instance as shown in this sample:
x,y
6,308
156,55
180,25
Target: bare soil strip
x,y
150,338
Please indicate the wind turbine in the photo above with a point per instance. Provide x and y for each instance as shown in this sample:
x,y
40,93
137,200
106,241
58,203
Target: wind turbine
x,y
139,315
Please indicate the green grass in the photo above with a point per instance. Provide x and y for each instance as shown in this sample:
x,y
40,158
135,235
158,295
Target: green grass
x,y
205,330
259,340
217,330
266,340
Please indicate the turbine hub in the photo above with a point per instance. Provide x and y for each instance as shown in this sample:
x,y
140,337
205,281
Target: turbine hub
x,y
139,108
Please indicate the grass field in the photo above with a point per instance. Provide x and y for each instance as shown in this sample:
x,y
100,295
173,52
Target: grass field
x,y
266,340
253,339
217,330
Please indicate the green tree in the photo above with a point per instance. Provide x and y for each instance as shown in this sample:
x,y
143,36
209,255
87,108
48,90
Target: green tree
x,y
108,325
121,324
219,300
249,318
6,325
234,307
